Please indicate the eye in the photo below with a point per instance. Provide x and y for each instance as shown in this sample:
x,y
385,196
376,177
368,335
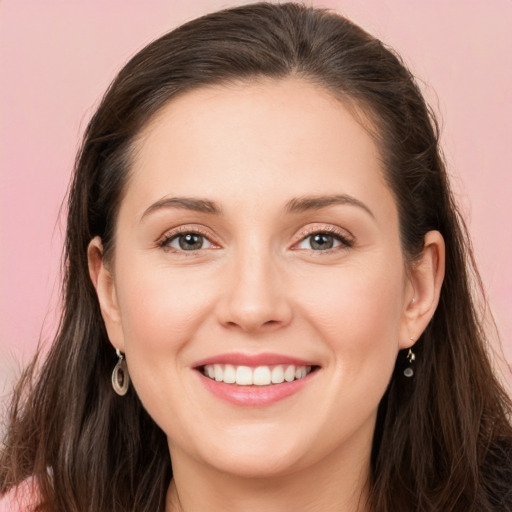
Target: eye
x,y
188,242
322,242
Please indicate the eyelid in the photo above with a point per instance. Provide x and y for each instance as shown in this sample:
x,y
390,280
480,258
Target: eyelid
x,y
172,233
343,235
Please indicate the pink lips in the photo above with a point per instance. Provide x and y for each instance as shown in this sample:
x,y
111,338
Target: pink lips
x,y
253,395
253,360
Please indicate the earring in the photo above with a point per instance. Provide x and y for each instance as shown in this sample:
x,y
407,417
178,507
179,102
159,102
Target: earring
x,y
411,357
120,375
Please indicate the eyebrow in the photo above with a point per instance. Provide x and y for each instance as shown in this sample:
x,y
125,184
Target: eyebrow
x,y
296,205
302,204
184,203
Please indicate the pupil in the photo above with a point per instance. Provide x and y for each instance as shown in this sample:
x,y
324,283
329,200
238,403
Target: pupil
x,y
191,241
322,241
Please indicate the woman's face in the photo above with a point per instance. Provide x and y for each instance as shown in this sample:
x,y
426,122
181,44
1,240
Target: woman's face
x,y
258,242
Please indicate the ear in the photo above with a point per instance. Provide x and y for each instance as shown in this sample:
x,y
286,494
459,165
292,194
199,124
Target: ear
x,y
423,289
104,285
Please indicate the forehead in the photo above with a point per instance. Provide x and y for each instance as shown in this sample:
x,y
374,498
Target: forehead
x,y
285,136
274,104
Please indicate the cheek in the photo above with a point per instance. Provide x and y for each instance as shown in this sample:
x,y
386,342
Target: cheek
x,y
358,311
158,312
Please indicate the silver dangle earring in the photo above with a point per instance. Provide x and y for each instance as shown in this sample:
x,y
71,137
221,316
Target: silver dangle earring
x,y
411,357
120,375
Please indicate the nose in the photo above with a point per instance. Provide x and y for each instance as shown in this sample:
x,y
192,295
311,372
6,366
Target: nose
x,y
255,297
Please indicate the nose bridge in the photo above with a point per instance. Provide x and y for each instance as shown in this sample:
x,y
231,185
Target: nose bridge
x,y
256,298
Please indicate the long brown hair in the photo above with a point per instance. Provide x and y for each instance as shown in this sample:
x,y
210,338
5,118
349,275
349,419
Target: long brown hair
x,y
443,440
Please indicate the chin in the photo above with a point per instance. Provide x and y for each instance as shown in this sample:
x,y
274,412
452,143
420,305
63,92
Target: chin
x,y
264,452
258,466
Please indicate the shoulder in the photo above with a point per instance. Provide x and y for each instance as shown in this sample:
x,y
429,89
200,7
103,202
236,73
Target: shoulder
x,y
22,498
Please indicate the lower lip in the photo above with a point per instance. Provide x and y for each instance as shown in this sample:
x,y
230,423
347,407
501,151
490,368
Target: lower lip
x,y
255,395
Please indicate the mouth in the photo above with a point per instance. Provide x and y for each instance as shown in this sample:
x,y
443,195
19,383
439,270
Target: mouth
x,y
242,375
255,380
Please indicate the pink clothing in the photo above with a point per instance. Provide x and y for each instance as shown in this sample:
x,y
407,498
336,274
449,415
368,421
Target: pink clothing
x,y
20,499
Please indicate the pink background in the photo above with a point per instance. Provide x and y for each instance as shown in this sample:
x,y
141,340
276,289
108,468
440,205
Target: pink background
x,y
57,58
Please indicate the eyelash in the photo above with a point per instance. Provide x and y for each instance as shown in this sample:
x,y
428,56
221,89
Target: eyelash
x,y
340,236
167,238
346,243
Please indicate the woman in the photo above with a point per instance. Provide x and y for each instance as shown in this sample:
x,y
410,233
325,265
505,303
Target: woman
x,y
267,284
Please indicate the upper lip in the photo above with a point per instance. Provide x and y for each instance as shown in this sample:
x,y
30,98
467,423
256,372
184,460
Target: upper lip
x,y
264,359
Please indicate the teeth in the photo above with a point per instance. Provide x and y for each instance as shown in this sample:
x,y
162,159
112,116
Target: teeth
x,y
289,373
244,376
300,372
277,375
260,376
229,374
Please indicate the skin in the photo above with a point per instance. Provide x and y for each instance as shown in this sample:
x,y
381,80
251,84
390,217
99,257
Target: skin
x,y
258,285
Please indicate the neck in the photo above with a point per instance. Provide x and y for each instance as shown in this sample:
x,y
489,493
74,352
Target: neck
x,y
333,485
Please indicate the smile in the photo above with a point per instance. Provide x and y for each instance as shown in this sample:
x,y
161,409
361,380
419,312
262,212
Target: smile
x,y
259,376
255,380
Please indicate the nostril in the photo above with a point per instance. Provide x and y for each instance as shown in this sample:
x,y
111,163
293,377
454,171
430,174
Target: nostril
x,y
247,323
249,311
